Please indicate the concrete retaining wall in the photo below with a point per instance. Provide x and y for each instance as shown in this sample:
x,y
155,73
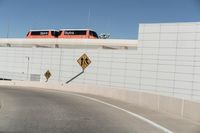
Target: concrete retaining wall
x,y
171,105
166,61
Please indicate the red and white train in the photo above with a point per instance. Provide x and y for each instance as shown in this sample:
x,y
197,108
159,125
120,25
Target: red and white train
x,y
63,33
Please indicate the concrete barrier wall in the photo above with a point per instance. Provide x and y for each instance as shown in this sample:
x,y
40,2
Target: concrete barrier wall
x,y
171,105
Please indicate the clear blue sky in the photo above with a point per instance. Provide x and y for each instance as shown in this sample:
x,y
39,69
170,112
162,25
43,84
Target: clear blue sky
x,y
120,18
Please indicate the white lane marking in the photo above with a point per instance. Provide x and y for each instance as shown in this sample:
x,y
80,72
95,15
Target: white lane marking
x,y
131,113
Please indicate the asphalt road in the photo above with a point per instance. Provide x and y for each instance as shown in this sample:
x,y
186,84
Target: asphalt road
x,y
35,111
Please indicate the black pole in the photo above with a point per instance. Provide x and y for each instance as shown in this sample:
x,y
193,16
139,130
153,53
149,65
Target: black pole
x,y
75,77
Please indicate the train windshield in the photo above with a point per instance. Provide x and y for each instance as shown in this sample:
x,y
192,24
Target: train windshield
x,y
55,33
94,34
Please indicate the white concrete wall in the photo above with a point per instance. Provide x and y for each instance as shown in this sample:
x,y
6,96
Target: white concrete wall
x,y
114,68
171,59
166,62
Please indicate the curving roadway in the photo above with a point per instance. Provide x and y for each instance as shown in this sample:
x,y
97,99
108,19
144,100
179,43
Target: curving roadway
x,y
39,111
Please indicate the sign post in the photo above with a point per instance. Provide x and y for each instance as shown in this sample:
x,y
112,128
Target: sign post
x,y
84,62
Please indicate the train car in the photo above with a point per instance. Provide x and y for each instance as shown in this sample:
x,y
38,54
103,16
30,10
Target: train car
x,y
78,34
42,34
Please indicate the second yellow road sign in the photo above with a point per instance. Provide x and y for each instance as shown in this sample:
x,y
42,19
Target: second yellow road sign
x,y
47,75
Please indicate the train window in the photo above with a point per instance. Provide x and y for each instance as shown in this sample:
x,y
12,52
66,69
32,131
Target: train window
x,y
67,32
92,33
39,32
55,33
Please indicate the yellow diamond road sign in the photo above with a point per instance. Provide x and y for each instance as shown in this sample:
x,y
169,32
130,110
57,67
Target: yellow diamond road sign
x,y
47,75
84,61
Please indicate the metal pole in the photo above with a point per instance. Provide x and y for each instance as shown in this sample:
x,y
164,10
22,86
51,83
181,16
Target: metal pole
x,y
8,28
59,73
27,68
88,24
75,77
